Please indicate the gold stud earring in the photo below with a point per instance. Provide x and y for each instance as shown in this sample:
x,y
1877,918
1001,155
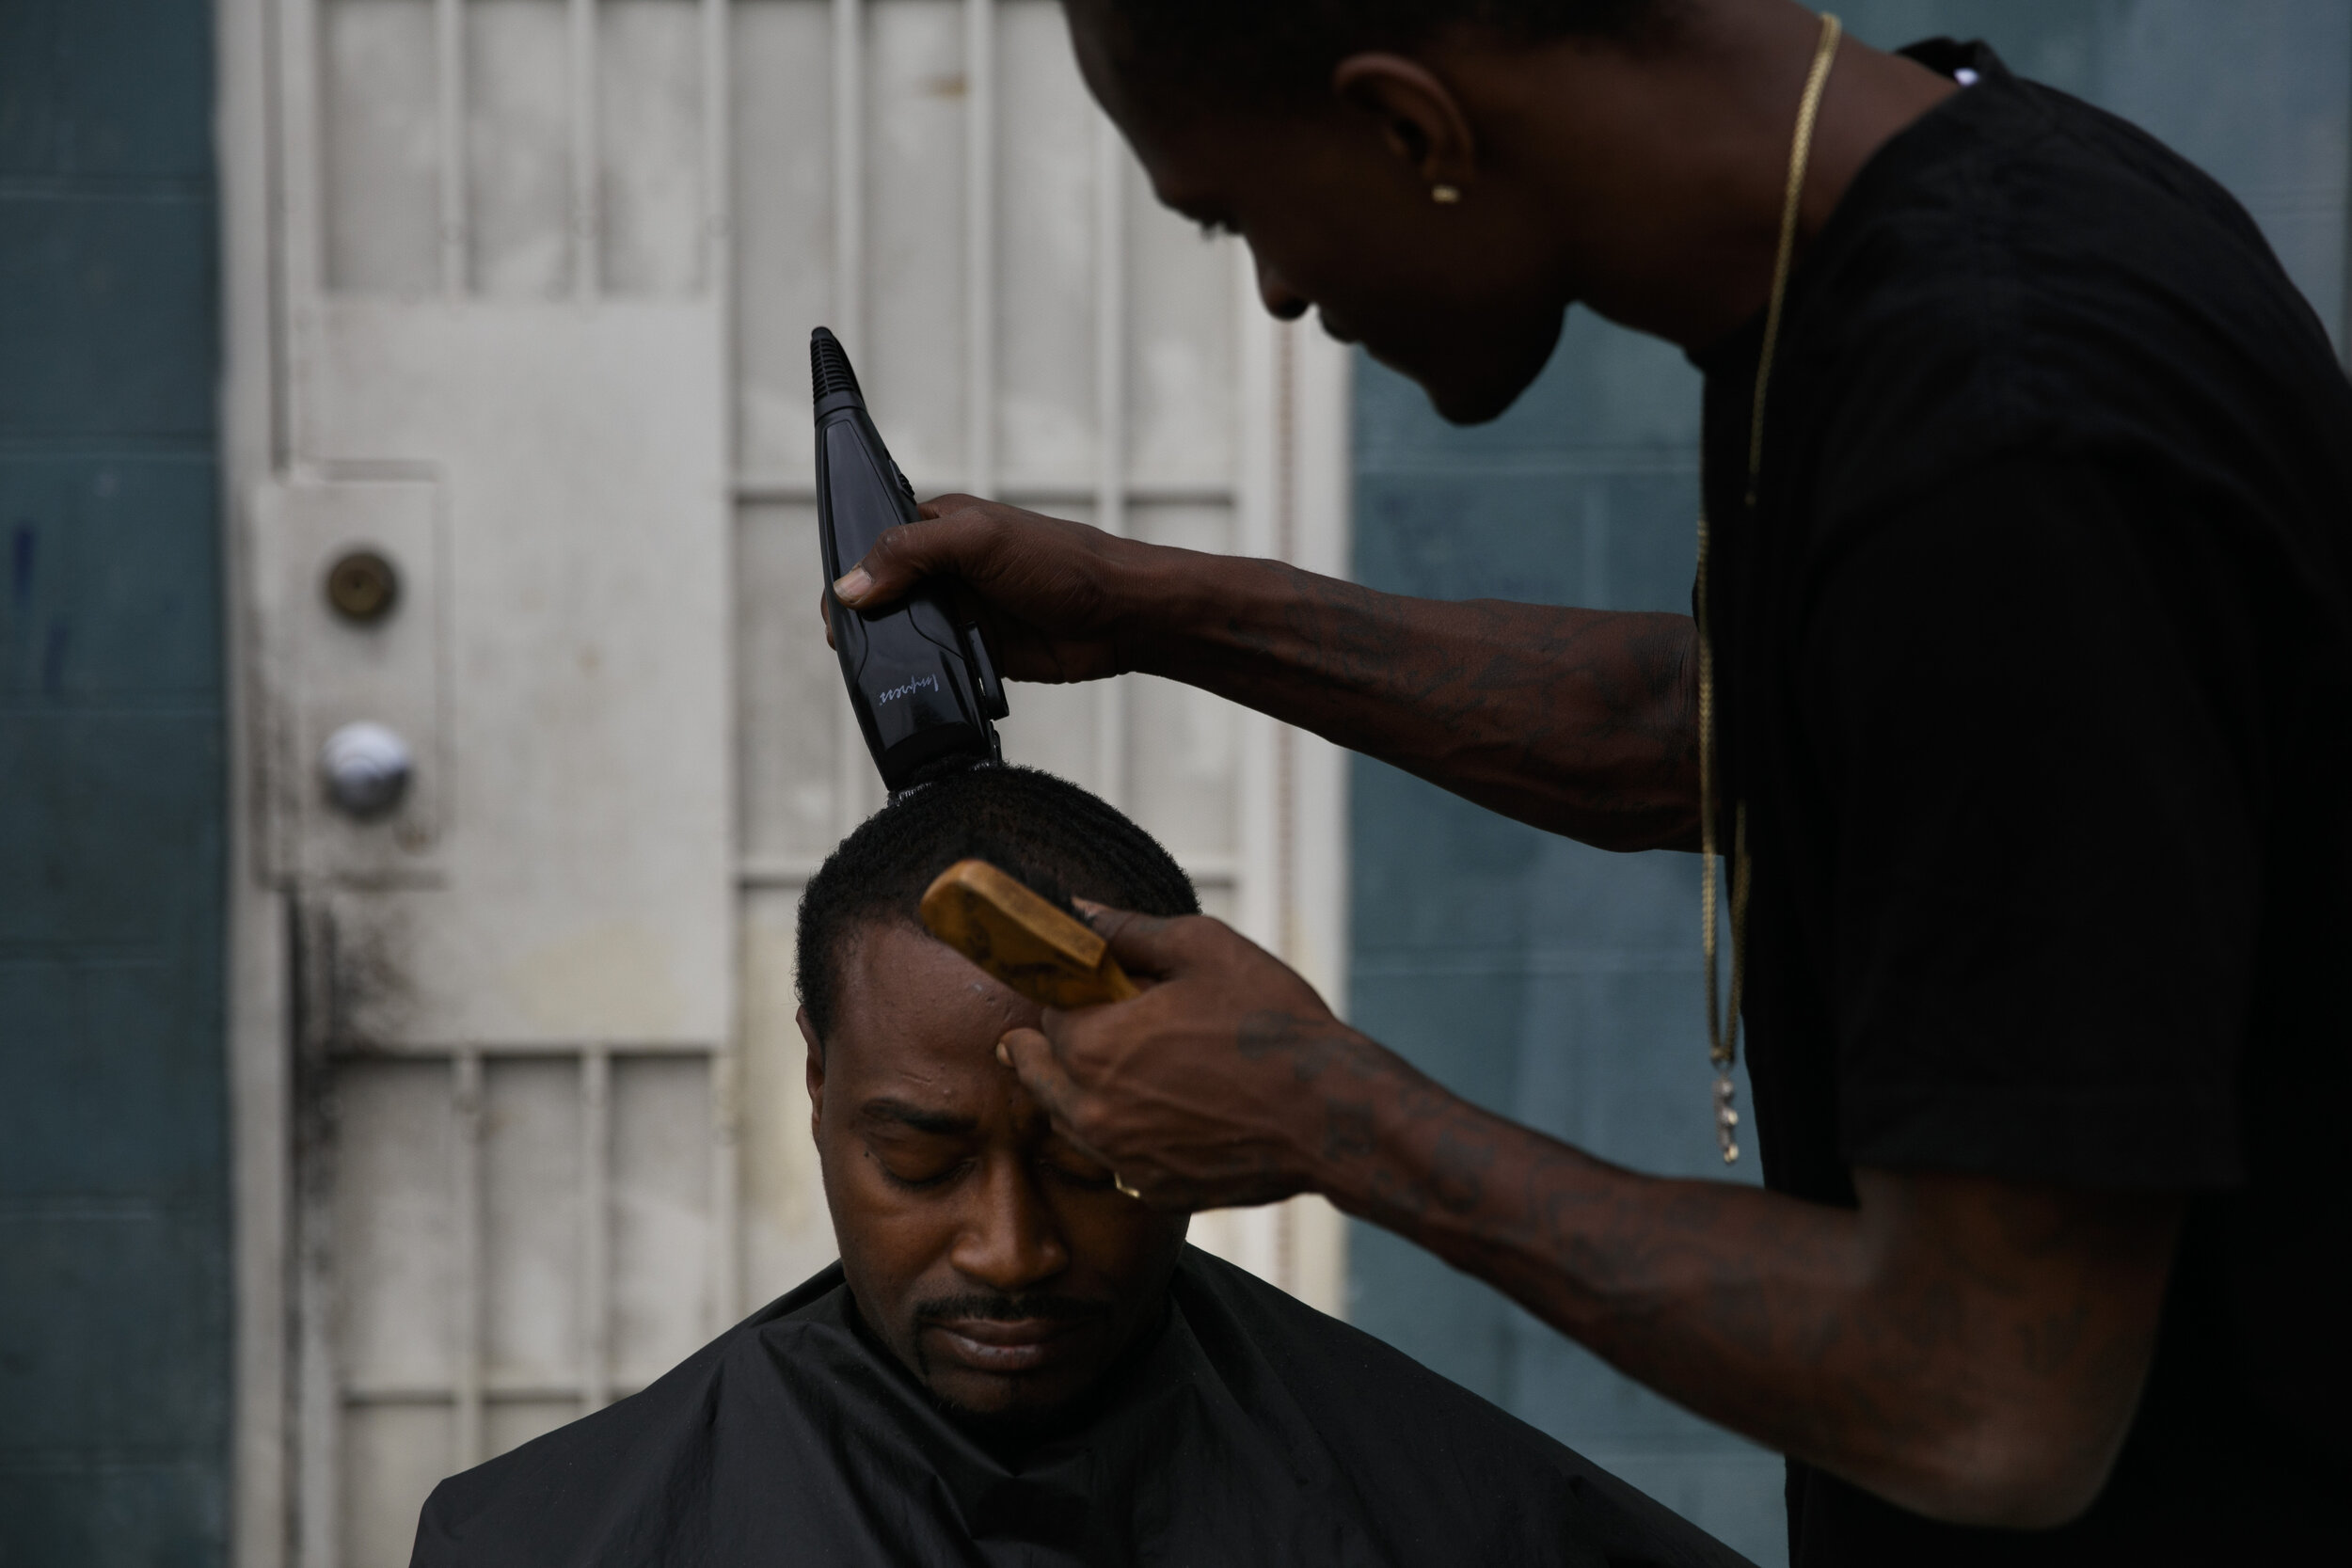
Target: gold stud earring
x,y
1445,195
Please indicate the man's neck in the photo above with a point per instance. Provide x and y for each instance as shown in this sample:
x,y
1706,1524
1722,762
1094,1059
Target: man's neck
x,y
1667,161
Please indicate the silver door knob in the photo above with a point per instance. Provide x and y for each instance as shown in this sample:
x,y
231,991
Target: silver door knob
x,y
367,768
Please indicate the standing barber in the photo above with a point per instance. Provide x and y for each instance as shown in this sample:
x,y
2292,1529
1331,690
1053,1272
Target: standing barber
x,y
2029,601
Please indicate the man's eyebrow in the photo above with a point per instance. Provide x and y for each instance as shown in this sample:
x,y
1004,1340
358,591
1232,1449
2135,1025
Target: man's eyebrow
x,y
907,1114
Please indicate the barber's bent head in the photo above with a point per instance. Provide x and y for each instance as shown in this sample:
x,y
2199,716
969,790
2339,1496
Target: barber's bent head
x,y
1374,157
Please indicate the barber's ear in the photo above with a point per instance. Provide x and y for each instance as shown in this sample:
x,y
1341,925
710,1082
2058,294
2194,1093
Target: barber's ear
x,y
815,1072
1418,115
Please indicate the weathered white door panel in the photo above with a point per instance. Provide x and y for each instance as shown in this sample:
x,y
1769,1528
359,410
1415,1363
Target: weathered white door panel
x,y
585,852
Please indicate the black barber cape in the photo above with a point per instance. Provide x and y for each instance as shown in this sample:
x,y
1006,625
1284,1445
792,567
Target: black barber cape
x,y
1252,1430
2037,681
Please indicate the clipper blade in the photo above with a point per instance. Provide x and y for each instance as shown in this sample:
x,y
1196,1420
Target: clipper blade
x,y
829,368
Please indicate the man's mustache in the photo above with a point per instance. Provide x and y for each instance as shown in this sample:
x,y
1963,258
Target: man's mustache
x,y
1008,1310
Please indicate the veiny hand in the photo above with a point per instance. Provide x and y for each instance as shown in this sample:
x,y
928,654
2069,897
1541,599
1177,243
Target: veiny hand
x,y
1196,1092
1056,598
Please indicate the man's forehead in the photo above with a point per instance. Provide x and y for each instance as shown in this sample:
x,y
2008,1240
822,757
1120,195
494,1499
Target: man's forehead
x,y
911,1006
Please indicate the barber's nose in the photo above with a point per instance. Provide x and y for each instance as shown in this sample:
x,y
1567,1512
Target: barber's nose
x,y
1010,1242
1282,302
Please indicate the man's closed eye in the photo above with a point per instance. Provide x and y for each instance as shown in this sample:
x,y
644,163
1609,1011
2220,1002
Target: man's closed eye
x,y
921,1176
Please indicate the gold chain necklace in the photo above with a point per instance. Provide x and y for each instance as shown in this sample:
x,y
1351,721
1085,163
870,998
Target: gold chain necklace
x,y
1723,1027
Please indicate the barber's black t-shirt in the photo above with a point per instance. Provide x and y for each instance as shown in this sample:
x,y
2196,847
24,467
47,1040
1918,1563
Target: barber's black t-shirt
x,y
2037,657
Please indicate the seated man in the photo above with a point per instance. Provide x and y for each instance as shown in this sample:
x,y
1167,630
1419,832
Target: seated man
x,y
1014,1362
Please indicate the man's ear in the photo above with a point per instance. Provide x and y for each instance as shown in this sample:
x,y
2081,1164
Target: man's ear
x,y
1419,117
815,1072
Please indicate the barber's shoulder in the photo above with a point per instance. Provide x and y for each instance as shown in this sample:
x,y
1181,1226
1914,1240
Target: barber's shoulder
x,y
2058,259
2088,307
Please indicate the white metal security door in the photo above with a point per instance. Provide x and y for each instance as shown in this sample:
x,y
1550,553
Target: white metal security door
x,y
519,298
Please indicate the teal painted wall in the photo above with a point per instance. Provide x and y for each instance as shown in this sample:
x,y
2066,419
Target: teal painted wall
x,y
1561,985
114,1276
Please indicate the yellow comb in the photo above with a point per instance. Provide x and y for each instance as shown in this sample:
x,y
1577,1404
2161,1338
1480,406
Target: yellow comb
x,y
1033,947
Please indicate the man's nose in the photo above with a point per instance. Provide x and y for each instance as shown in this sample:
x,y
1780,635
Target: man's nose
x,y
1010,1242
1282,302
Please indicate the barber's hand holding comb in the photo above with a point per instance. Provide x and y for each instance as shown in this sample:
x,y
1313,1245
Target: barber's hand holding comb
x,y
1227,1082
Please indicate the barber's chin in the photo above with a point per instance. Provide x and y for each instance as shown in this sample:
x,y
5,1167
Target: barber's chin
x,y
1474,393
1461,394
1470,405
1476,372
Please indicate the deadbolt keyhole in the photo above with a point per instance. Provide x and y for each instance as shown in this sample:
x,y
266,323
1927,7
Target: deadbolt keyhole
x,y
362,586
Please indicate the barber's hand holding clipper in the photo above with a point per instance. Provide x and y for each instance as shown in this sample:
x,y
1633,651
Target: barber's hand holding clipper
x,y
1055,611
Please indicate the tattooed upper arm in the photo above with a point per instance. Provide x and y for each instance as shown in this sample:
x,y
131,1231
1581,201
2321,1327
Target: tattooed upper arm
x,y
1580,722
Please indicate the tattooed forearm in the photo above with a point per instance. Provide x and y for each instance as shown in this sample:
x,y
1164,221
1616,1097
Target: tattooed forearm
x,y
1457,1170
1964,1347
1348,1130
1581,721
1312,1045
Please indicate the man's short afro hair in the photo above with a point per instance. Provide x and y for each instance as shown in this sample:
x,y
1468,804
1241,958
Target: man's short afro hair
x,y
1241,50
1061,841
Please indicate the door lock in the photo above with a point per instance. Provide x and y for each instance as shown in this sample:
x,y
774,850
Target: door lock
x,y
367,768
362,586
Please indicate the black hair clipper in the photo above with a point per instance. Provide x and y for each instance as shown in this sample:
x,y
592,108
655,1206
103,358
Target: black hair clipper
x,y
923,686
